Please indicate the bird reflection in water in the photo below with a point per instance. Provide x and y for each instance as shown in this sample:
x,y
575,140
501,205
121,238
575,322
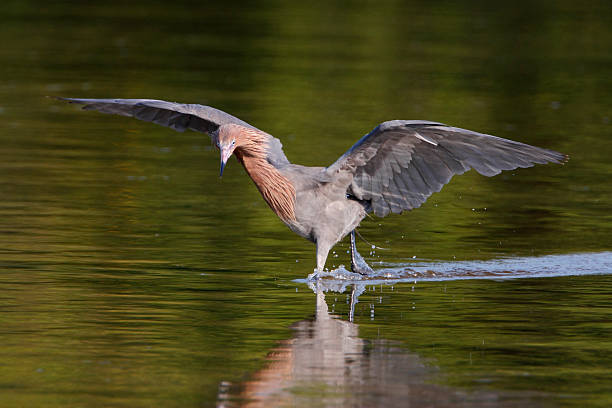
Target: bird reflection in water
x,y
326,363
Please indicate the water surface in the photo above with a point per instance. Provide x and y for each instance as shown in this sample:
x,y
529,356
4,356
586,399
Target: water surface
x,y
132,276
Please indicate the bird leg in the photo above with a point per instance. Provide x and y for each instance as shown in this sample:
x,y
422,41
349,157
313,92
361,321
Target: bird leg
x,y
322,252
358,264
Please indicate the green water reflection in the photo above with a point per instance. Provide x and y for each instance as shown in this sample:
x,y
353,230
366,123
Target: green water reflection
x,y
130,275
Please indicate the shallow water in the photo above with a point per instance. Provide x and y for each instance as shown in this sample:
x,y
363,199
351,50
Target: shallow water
x,y
132,276
504,268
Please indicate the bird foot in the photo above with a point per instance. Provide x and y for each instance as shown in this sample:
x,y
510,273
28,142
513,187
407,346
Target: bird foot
x,y
359,265
314,276
364,269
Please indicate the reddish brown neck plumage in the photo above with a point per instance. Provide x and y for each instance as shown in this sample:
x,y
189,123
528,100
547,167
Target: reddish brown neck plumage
x,y
277,190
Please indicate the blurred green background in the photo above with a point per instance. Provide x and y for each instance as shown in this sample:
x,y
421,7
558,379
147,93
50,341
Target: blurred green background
x,y
130,275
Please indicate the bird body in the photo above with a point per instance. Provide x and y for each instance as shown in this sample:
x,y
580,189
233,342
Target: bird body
x,y
311,202
392,169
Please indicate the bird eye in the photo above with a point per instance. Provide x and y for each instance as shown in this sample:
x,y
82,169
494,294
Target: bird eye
x,y
233,143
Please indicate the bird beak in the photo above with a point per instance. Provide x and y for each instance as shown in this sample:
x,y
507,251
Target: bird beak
x,y
226,152
222,167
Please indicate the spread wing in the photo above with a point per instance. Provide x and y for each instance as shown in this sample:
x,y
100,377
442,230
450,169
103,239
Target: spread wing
x,y
177,116
400,163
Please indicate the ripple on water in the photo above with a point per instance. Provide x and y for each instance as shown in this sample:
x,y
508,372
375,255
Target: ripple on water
x,y
506,268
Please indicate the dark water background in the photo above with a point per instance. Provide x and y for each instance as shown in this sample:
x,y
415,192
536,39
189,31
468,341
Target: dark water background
x,y
131,276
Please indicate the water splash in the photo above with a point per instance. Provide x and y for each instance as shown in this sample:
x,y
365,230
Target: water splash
x,y
506,268
509,268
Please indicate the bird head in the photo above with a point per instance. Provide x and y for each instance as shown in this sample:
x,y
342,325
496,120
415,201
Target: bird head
x,y
226,143
249,141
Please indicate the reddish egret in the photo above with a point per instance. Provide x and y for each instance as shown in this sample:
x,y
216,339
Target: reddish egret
x,y
394,168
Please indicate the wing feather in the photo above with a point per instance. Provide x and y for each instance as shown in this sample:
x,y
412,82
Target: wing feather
x,y
177,116
399,164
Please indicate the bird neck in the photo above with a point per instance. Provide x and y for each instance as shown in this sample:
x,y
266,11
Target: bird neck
x,y
275,188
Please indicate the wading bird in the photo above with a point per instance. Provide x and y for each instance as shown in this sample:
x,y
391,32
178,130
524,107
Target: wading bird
x,y
394,168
